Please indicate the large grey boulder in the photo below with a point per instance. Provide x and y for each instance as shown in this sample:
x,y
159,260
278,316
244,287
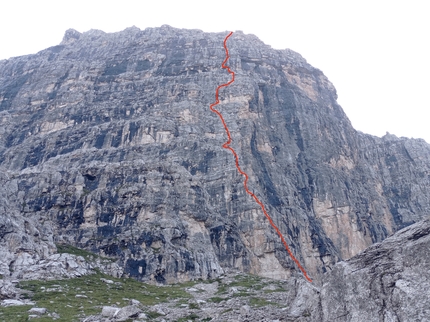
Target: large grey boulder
x,y
11,302
110,311
389,281
37,310
8,289
128,312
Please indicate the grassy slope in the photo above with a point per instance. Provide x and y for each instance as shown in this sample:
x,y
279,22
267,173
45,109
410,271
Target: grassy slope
x,y
59,296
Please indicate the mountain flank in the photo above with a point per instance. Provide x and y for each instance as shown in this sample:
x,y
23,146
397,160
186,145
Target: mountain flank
x,y
107,144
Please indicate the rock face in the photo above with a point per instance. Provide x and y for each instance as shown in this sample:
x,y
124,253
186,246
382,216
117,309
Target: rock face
x,y
389,281
107,143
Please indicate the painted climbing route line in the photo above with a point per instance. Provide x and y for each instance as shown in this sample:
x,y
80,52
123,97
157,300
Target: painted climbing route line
x,y
226,145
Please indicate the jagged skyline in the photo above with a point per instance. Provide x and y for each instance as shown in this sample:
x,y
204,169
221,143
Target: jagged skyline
x,y
373,53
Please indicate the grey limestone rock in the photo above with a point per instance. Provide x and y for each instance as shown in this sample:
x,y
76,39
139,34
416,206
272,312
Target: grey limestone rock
x,y
8,290
37,310
128,312
55,266
107,143
389,281
110,311
10,302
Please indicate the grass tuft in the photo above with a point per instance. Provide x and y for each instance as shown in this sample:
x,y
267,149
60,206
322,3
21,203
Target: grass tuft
x,y
217,299
69,249
259,302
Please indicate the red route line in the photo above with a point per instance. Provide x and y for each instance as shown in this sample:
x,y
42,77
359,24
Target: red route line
x,y
226,145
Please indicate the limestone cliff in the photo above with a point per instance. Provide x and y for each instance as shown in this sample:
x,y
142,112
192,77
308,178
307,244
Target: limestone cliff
x,y
107,143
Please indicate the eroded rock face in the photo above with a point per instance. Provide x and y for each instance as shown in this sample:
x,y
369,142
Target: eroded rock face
x,y
107,143
389,281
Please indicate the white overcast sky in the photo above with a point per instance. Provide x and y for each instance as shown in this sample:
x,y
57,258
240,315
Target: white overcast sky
x,y
375,52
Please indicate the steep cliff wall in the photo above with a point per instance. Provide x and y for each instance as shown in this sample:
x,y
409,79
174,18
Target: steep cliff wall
x,y
108,140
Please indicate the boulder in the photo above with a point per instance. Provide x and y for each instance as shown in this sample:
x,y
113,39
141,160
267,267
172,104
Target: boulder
x,y
37,310
110,311
128,312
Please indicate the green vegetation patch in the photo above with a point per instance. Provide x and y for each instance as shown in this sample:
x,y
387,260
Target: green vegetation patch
x,y
259,302
240,294
277,289
153,314
68,249
14,313
250,282
193,306
72,299
216,299
86,295
191,317
226,311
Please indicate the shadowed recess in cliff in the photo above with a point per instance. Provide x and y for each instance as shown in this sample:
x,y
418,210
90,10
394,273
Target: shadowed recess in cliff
x,y
226,145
